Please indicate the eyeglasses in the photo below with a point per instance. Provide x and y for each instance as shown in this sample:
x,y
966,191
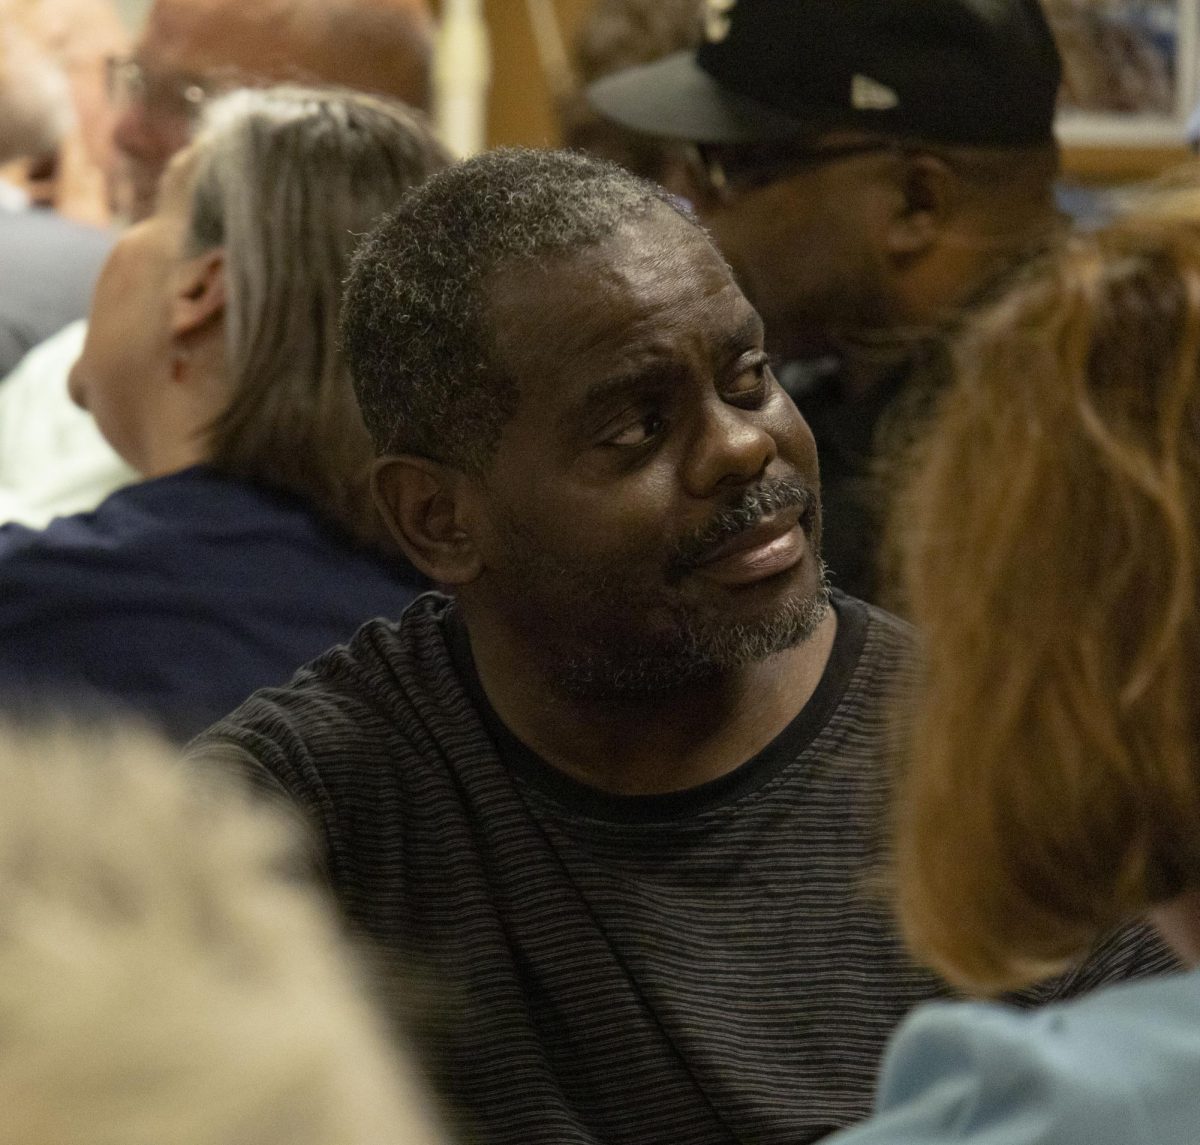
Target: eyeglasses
x,y
179,95
725,172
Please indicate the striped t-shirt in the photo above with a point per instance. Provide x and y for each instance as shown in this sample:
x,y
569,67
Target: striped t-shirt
x,y
680,969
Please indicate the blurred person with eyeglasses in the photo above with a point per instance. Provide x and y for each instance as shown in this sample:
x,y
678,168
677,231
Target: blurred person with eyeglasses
x,y
191,49
53,461
868,167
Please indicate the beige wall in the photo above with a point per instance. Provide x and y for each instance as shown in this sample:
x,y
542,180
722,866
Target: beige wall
x,y
132,12
520,105
521,109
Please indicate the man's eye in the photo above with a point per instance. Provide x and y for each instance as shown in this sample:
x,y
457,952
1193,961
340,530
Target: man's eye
x,y
751,381
638,431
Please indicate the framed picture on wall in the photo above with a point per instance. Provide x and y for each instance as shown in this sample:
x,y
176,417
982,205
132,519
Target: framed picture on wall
x,y
1130,70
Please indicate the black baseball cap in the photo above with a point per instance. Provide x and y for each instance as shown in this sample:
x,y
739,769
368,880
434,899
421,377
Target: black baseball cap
x,y
966,72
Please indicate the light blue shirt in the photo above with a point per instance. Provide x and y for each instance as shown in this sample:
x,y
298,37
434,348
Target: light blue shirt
x,y
1118,1067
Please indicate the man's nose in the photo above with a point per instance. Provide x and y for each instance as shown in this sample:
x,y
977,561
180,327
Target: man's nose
x,y
731,447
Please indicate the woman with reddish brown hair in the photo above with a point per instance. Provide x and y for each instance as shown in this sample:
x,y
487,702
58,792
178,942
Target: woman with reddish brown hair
x,y
1048,539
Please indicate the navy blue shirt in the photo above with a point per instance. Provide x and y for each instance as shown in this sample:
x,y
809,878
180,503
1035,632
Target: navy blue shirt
x,y
180,596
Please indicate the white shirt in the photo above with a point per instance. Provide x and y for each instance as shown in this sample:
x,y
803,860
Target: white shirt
x,y
53,460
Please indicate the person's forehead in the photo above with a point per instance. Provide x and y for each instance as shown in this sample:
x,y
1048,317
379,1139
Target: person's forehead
x,y
200,37
656,281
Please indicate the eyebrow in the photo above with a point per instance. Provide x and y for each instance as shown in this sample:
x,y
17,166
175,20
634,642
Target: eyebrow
x,y
615,390
639,380
750,330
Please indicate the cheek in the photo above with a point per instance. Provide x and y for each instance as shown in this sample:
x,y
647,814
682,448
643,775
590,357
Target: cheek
x,y
589,535
86,378
97,383
121,351
103,394
621,530
118,277
794,439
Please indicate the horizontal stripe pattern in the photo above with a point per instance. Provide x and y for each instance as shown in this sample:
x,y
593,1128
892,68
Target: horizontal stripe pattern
x,y
718,976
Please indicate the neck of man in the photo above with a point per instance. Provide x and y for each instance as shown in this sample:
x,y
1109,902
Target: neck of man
x,y
650,744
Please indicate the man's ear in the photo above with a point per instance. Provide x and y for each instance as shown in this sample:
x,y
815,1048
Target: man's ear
x,y
198,292
928,193
421,502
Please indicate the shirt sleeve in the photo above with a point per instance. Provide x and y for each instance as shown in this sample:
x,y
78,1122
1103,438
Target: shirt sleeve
x,y
979,1074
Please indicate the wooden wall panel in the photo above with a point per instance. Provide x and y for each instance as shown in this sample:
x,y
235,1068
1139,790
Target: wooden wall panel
x,y
521,109
1104,165
520,104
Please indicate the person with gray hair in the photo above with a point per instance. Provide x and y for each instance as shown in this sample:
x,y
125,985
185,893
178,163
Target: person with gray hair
x,y
622,789
52,462
212,366
163,978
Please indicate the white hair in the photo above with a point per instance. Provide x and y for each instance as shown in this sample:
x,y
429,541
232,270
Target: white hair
x,y
165,976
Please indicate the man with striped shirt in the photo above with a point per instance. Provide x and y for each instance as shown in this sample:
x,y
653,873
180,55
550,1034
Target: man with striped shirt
x,y
622,791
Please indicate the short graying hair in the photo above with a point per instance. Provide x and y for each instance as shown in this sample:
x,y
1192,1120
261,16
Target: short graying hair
x,y
287,180
415,320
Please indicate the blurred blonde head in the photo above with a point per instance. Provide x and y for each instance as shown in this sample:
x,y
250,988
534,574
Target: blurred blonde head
x,y
163,978
1048,540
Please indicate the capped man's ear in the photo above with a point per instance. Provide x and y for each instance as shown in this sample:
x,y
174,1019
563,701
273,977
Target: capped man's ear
x,y
928,193
422,502
198,292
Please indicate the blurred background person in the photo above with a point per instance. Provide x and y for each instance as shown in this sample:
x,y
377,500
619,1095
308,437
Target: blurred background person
x,y
52,460
867,167
1048,539
212,367
80,37
619,34
192,49
163,978
52,179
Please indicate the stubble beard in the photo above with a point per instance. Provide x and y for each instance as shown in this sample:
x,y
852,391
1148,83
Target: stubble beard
x,y
591,656
700,650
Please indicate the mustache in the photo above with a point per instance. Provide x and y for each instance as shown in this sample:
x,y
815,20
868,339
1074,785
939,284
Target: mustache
x,y
747,511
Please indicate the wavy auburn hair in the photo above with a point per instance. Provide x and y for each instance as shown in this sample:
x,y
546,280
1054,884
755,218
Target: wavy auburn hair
x,y
1047,536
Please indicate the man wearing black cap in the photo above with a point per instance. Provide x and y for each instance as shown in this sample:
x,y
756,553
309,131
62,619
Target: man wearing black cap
x,y
867,167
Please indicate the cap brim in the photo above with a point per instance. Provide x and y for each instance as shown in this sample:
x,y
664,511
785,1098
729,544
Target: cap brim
x,y
675,98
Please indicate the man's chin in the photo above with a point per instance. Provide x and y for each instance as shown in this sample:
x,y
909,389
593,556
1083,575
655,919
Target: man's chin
x,y
701,648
